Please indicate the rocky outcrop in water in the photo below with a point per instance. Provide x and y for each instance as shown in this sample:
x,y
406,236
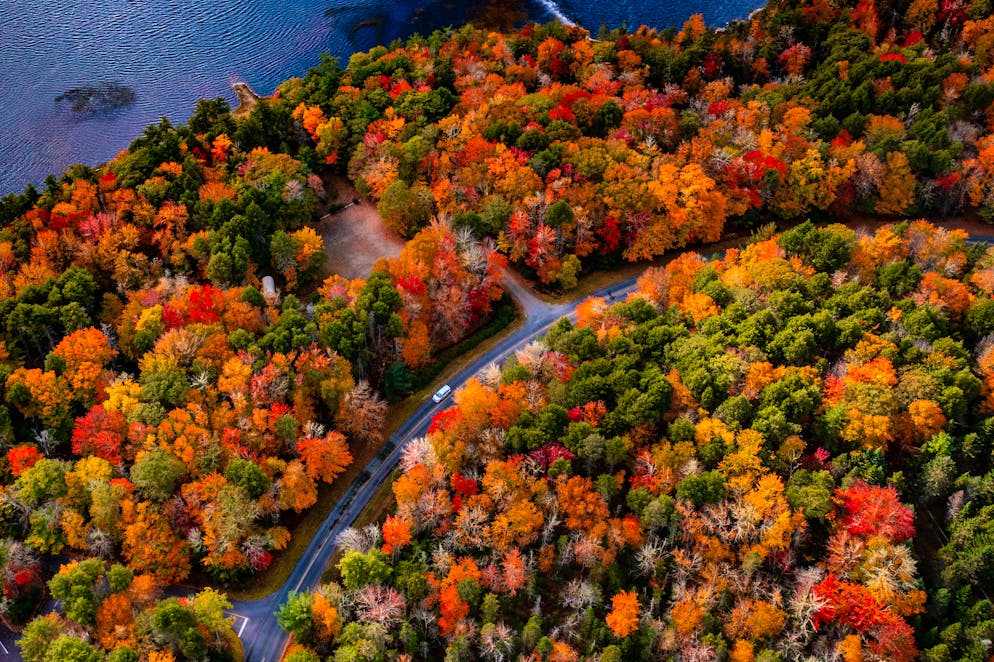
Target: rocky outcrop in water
x,y
97,98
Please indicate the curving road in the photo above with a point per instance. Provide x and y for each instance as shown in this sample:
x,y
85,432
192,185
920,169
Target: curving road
x,y
262,637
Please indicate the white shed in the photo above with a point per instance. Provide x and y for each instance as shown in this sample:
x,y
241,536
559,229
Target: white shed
x,y
269,289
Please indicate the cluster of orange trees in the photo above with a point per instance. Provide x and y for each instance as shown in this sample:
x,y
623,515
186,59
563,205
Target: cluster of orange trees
x,y
159,414
732,464
571,151
694,464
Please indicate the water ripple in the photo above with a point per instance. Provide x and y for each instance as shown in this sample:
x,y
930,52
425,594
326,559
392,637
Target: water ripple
x,y
173,52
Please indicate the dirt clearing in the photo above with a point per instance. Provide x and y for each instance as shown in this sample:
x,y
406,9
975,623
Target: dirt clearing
x,y
354,237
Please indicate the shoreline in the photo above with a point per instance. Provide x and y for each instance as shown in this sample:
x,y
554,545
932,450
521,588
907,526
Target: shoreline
x,y
247,98
57,146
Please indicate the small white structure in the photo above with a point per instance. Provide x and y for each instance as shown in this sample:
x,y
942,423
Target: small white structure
x,y
269,291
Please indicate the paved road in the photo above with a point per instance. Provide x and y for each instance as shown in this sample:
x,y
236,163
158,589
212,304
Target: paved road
x,y
531,305
262,637
8,645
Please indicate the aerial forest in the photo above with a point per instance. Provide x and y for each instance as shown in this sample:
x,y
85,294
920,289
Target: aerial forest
x,y
782,452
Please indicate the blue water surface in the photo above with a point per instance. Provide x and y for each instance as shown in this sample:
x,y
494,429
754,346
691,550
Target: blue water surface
x,y
173,52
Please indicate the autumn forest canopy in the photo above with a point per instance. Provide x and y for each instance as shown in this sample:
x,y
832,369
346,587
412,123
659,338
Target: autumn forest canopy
x,y
732,464
782,453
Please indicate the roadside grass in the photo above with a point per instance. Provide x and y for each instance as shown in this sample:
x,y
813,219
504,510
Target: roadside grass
x,y
305,529
235,647
375,512
598,279
449,362
507,319
452,359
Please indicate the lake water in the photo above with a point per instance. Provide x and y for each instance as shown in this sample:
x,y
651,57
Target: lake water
x,y
173,52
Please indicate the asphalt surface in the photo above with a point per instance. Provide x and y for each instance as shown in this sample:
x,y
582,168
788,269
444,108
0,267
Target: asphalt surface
x,y
8,645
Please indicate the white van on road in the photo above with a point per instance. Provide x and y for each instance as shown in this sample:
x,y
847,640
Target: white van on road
x,y
442,393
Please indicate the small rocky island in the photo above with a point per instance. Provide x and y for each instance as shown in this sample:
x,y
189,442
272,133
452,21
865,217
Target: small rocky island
x,y
97,98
